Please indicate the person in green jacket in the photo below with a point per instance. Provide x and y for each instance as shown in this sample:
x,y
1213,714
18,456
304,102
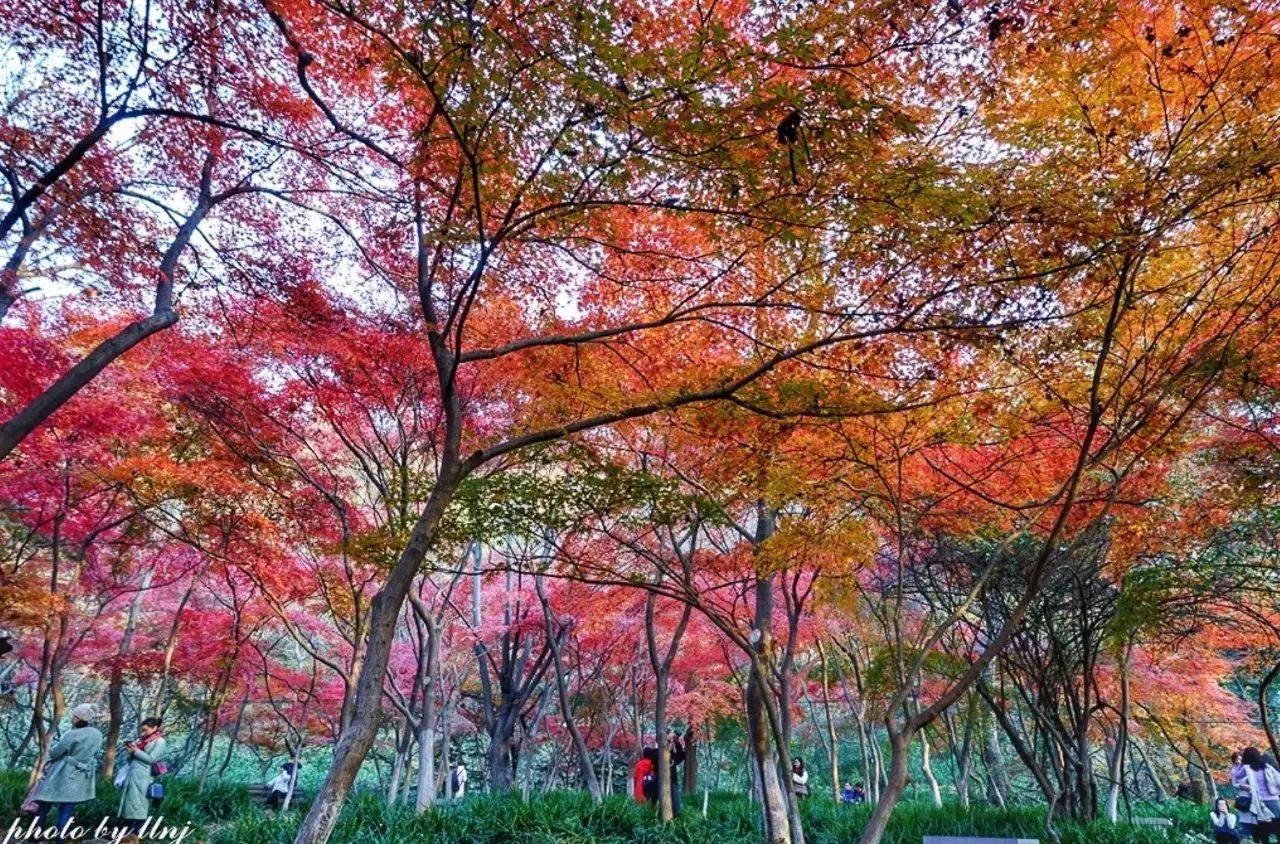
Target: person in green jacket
x,y
71,775
143,755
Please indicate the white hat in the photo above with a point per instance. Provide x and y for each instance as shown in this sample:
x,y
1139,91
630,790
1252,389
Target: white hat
x,y
84,712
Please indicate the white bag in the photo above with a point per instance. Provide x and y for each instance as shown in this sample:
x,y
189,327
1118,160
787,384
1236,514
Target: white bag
x,y
1259,809
122,775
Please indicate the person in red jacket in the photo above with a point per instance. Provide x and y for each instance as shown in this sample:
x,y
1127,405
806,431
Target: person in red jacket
x,y
642,774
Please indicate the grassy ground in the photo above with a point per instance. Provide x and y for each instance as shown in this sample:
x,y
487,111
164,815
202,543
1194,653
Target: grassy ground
x,y
225,815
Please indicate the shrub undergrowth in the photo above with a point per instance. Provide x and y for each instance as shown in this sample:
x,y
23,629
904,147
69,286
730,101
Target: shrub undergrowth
x,y
224,814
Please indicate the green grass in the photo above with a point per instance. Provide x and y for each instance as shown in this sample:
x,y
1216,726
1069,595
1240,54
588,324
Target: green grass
x,y
225,815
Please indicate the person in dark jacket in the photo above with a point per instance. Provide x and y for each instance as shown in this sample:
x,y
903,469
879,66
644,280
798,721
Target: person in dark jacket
x,y
649,783
677,754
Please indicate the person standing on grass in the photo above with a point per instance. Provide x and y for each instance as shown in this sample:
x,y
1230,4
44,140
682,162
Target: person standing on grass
x,y
799,778
146,757
1244,818
676,753
642,774
281,787
1223,822
1262,782
649,782
72,772
459,780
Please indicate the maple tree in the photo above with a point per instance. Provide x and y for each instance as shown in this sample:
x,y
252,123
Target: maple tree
x,y
548,375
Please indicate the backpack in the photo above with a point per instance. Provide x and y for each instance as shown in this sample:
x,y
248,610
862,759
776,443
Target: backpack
x,y
649,784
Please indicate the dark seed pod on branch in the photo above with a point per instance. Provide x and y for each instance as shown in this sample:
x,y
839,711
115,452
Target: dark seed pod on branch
x,y
789,129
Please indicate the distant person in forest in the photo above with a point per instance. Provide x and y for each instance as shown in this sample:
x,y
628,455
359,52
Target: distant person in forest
x,y
71,774
643,776
1259,784
799,778
675,749
649,779
458,780
146,762
1245,819
279,789
846,793
853,794
1223,822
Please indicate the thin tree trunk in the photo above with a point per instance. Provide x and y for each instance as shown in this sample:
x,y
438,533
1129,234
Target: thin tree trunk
x,y
661,663
926,765
235,735
691,767
833,743
115,687
403,741
1115,766
997,785
1162,790
427,724
1264,700
899,744
357,738
294,755
555,643
171,645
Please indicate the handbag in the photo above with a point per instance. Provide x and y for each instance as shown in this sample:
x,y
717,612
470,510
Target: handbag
x,y
155,791
1263,812
122,776
29,803
1244,801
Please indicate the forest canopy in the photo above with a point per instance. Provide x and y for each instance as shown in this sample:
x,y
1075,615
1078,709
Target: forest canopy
x,y
884,385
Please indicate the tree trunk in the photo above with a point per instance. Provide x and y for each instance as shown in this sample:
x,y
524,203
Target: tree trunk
x,y
1115,766
690,785
404,738
115,687
1162,790
171,645
899,745
556,643
235,735
833,742
926,765
993,758
666,809
294,755
357,738
1264,700
426,797
764,765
